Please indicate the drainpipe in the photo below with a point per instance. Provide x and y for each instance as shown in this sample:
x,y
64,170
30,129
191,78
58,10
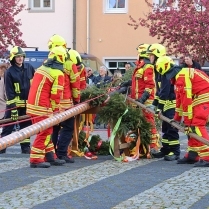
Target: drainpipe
x,y
74,24
87,27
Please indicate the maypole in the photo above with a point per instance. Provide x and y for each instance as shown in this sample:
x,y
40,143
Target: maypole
x,y
19,136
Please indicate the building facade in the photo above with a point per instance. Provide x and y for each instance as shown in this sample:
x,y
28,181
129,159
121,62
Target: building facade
x,y
102,29
97,27
44,18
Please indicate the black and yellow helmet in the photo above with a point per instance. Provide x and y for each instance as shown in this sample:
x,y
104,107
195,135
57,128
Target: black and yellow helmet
x,y
75,57
157,49
164,64
16,51
142,50
56,40
58,54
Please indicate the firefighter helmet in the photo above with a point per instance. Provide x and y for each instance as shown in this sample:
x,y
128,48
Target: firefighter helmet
x,y
56,40
164,64
142,49
16,51
58,54
157,49
75,57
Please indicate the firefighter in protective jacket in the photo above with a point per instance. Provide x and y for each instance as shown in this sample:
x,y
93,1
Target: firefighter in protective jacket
x,y
165,103
17,85
192,92
44,100
143,88
75,57
71,96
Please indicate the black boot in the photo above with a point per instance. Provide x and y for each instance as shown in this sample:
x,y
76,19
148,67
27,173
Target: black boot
x,y
171,157
190,159
2,151
158,155
50,158
40,165
25,148
67,159
202,163
185,160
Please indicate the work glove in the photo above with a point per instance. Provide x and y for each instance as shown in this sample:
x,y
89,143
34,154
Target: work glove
x,y
126,83
157,113
189,129
144,97
14,114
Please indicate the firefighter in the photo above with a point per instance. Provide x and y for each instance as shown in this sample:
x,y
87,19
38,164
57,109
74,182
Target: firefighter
x,y
44,99
71,97
165,103
143,88
17,85
192,92
75,57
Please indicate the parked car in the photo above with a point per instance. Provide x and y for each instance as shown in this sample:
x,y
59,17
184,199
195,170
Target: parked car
x,y
36,58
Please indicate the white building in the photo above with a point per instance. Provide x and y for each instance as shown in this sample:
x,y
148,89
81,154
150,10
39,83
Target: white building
x,y
45,18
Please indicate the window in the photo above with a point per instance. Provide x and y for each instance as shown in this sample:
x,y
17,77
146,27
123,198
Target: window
x,y
198,6
113,65
115,6
162,4
41,5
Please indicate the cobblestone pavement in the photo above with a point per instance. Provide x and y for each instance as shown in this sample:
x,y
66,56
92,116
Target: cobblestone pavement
x,y
102,183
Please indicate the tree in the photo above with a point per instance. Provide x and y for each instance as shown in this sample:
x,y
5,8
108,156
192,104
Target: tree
x,y
180,25
10,33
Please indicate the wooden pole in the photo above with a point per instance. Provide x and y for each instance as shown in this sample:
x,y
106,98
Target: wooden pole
x,y
9,120
25,133
176,125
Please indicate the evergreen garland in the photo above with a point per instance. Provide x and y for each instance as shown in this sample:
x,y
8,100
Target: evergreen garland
x,y
92,92
128,74
133,120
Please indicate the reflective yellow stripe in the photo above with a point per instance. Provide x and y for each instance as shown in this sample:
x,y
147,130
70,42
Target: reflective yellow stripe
x,y
39,108
37,150
174,142
203,154
188,89
76,92
197,130
11,101
39,90
25,141
197,149
39,156
162,101
17,88
179,111
45,71
170,105
165,141
200,99
156,97
201,75
136,90
47,140
17,101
